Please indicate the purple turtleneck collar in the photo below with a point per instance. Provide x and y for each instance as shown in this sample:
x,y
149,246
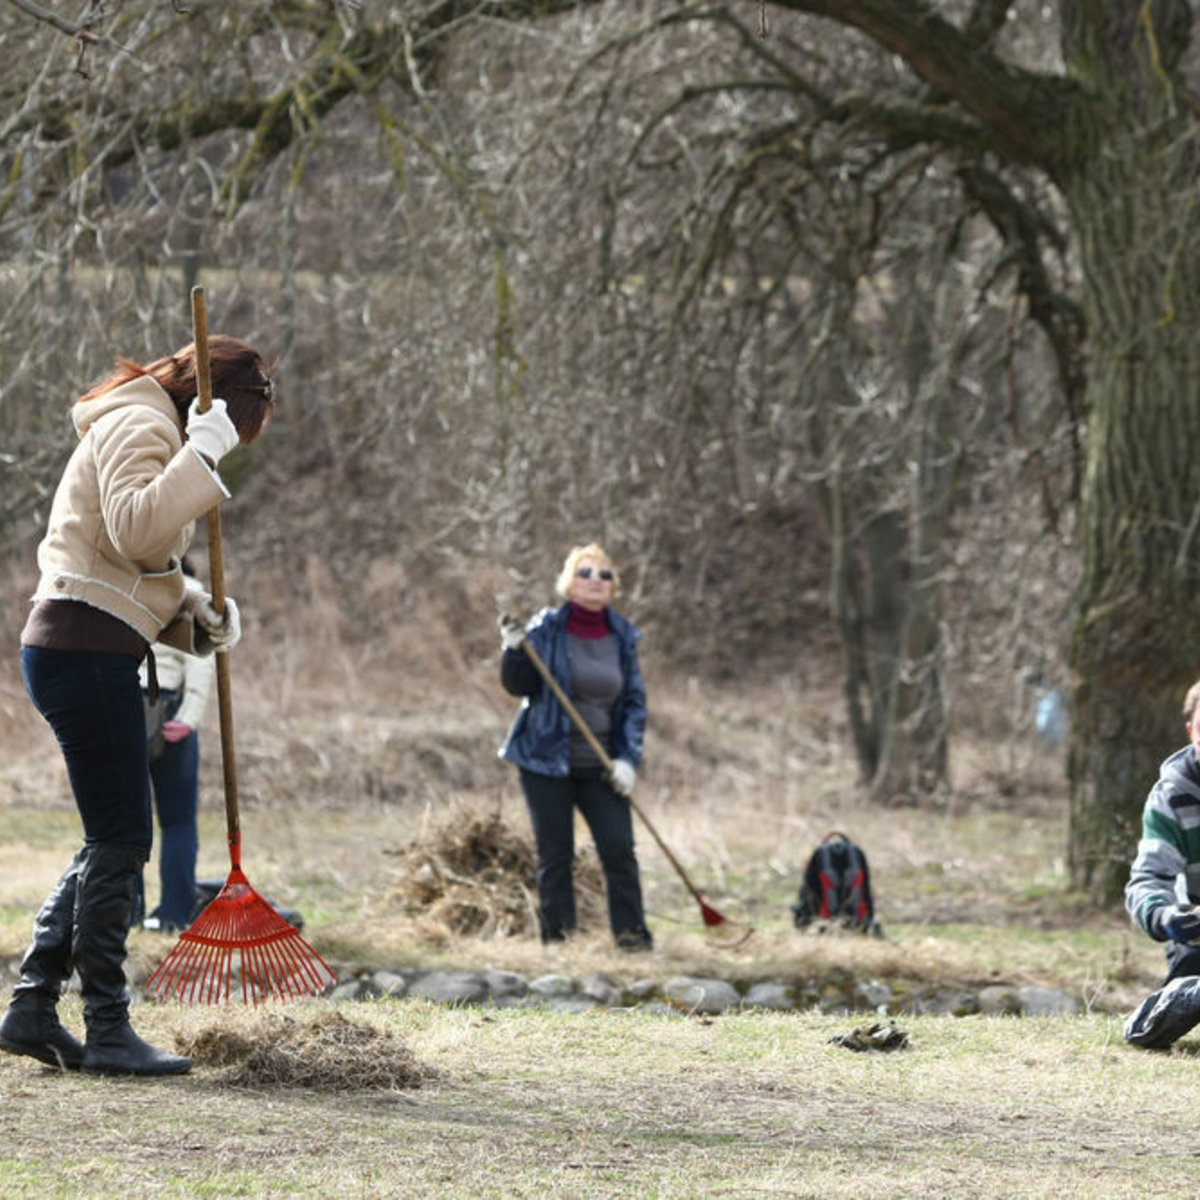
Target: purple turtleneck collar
x,y
584,623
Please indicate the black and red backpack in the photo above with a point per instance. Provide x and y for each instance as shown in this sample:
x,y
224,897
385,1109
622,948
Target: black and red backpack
x,y
836,889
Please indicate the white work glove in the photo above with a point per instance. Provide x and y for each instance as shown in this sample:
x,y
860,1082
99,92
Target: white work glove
x,y
211,433
622,776
512,633
222,631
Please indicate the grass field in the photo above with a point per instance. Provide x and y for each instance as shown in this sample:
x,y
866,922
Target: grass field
x,y
340,776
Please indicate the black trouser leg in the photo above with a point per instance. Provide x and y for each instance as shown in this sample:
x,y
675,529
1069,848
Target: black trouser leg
x,y
104,897
610,818
552,815
31,1025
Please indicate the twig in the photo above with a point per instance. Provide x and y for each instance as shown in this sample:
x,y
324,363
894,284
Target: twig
x,y
77,29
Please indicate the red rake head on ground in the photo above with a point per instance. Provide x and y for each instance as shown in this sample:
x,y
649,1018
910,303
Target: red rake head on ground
x,y
240,936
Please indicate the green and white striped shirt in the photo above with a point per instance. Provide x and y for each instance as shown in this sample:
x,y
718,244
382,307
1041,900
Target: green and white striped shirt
x,y
1170,844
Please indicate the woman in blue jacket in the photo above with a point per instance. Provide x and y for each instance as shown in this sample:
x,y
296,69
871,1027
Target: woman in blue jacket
x,y
591,650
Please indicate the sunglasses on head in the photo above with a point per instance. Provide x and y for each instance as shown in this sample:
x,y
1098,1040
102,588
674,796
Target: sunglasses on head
x,y
586,573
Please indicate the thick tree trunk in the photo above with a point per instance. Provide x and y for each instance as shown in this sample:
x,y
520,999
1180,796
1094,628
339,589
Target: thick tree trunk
x,y
1136,643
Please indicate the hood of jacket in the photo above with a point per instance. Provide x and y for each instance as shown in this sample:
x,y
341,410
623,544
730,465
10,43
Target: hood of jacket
x,y
143,390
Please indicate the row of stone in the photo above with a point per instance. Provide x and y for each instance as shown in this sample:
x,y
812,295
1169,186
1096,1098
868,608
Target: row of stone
x,y
695,994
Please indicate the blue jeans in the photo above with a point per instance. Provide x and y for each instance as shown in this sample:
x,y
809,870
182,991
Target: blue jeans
x,y
552,803
174,775
93,702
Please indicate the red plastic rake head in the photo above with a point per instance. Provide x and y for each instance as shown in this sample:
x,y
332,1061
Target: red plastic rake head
x,y
240,936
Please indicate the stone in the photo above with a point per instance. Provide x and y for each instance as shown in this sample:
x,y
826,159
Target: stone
x,y
390,983
600,989
777,996
450,987
873,995
945,1002
553,985
999,1000
1046,1002
699,995
352,989
505,984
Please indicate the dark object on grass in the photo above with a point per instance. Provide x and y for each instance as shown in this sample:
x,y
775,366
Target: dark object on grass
x,y
883,1035
1165,1015
836,888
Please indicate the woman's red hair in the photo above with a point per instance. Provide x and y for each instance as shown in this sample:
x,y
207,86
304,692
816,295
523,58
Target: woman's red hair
x,y
239,377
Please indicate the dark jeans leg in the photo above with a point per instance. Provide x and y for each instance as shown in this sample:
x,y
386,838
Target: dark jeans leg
x,y
175,797
93,702
552,815
610,818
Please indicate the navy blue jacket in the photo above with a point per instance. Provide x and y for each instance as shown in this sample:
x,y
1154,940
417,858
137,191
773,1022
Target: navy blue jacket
x,y
539,738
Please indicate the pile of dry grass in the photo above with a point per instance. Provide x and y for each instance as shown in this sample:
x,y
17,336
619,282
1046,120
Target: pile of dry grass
x,y
475,875
323,1052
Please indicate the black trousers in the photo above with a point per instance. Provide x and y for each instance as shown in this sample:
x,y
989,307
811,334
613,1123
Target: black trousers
x,y
552,803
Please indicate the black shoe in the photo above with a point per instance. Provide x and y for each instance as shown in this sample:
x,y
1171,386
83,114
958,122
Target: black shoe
x,y
31,1027
103,901
117,1050
634,941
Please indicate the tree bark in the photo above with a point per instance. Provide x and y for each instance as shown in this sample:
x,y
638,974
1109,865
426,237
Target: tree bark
x,y
1136,644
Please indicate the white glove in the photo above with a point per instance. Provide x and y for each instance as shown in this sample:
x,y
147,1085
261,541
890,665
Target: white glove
x,y
622,776
211,433
223,631
512,633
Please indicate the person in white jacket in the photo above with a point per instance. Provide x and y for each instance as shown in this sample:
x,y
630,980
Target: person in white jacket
x,y
185,682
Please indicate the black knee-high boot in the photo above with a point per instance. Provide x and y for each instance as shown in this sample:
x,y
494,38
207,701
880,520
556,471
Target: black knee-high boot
x,y
104,898
31,1025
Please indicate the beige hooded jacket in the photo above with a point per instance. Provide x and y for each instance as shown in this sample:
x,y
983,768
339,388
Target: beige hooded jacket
x,y
125,511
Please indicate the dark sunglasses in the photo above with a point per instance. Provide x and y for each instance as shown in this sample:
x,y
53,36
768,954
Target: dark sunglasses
x,y
586,573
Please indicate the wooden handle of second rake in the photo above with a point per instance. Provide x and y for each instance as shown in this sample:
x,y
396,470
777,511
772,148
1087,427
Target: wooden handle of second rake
x,y
602,755
216,566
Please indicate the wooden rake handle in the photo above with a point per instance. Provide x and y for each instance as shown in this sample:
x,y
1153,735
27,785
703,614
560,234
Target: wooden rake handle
x,y
216,566
605,760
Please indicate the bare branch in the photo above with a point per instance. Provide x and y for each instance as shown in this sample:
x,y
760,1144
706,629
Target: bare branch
x,y
80,30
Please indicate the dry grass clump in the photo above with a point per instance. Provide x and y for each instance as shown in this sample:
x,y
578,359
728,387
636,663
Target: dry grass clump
x,y
324,1052
474,875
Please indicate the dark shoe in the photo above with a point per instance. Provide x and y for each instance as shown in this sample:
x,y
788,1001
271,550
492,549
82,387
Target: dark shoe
x,y
31,1027
103,901
117,1050
633,941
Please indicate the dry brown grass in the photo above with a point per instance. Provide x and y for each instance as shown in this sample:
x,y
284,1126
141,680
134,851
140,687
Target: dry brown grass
x,y
474,875
319,1050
